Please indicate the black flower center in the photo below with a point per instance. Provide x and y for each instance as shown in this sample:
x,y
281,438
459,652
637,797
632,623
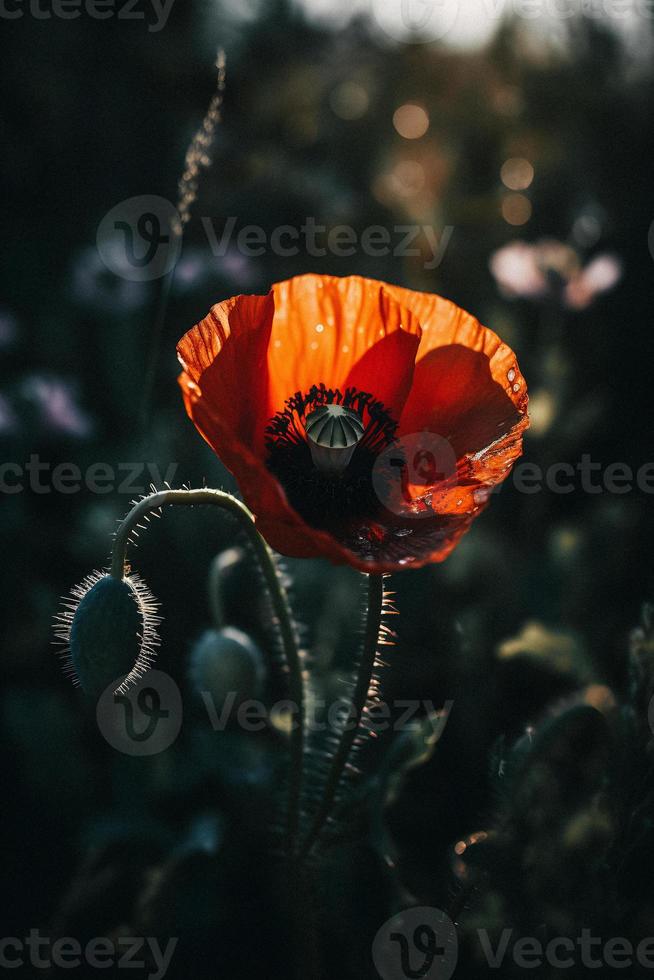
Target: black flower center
x,y
336,499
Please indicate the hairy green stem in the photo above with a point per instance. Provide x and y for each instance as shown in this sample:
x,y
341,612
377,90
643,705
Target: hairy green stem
x,y
278,596
353,723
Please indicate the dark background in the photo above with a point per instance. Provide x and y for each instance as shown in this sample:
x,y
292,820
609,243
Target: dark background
x,y
95,112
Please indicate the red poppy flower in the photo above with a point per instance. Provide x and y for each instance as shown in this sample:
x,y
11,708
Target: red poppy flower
x,y
365,423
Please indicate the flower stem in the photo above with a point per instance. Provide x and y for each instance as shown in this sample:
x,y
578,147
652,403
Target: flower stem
x,y
280,604
353,723
215,596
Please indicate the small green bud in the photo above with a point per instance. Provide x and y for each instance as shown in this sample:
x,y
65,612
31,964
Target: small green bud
x,y
227,662
109,629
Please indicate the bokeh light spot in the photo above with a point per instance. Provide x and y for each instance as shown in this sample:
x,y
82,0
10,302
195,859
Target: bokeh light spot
x,y
517,174
349,101
411,121
516,209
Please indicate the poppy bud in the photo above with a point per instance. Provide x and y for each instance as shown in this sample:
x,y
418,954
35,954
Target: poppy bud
x,y
333,433
226,662
109,629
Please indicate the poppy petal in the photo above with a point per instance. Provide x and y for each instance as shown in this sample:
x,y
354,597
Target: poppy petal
x,y
341,332
225,363
467,388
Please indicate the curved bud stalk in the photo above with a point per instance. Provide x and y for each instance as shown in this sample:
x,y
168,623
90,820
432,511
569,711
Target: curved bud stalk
x,y
89,623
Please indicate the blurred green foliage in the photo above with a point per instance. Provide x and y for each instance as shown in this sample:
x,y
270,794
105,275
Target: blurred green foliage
x,y
99,111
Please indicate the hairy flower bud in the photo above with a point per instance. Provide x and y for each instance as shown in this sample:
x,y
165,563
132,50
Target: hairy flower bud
x,y
109,631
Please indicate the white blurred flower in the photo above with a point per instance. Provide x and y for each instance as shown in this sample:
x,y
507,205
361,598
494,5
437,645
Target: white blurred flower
x,y
600,275
549,269
516,271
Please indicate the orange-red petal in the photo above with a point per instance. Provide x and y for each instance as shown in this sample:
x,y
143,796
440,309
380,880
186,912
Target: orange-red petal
x,y
341,332
467,389
225,366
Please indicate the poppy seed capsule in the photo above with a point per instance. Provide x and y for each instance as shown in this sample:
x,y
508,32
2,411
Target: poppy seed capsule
x,y
333,433
110,633
227,662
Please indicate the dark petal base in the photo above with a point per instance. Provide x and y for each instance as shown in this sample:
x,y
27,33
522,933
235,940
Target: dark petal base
x,y
334,503
346,505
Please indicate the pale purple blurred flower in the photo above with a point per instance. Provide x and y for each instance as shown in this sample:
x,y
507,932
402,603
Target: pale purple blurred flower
x,y
95,286
55,400
237,267
8,328
197,268
8,420
191,270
